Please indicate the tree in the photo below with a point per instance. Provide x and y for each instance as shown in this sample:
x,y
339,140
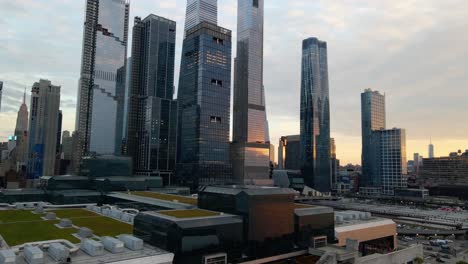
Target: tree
x,y
419,260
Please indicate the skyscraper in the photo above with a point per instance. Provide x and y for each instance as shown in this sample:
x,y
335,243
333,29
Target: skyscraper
x,y
315,115
152,117
250,148
67,145
43,121
21,134
335,163
373,118
289,153
390,159
199,11
1,91
102,80
204,102
431,150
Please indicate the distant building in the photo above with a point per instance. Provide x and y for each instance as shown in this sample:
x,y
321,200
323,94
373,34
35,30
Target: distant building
x,y
152,117
445,176
289,152
99,116
315,115
43,122
251,147
272,154
67,145
431,150
205,98
373,118
22,135
389,152
334,162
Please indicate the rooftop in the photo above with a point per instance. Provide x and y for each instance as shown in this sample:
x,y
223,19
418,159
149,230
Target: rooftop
x,y
190,213
18,227
167,197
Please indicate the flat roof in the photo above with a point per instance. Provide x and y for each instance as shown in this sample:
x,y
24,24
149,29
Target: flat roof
x,y
189,213
167,197
18,227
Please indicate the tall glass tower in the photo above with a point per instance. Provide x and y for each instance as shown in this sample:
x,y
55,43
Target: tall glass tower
x,y
152,116
199,11
373,119
315,115
102,82
204,101
250,148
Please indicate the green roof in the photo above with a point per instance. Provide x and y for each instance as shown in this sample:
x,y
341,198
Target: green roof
x,y
192,213
167,197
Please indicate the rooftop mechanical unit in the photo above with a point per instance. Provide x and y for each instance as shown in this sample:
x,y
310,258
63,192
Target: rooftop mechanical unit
x,y
7,257
33,255
92,248
131,242
59,252
112,245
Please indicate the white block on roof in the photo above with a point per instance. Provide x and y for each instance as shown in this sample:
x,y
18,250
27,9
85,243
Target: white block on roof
x,y
92,248
112,245
33,255
131,242
7,257
59,252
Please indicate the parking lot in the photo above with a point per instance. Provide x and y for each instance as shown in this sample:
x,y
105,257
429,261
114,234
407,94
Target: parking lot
x,y
434,254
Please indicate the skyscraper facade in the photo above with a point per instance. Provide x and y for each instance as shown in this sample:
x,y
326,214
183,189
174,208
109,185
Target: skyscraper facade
x,y
315,115
289,152
431,150
335,163
250,148
373,118
199,11
43,121
21,134
152,117
67,145
391,160
102,81
204,101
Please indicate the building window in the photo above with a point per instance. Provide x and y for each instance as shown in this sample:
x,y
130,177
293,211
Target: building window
x,y
255,3
217,82
218,40
215,119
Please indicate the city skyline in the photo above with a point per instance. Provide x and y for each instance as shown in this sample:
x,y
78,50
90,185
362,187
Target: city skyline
x,y
406,89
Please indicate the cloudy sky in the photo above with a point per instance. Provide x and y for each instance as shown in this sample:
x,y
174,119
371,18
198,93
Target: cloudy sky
x,y
415,51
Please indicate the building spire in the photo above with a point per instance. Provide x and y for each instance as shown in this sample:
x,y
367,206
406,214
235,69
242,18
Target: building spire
x,y
24,96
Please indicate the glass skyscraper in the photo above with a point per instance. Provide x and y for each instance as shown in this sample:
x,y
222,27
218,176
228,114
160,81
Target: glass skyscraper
x,y
373,119
199,11
251,147
152,116
204,100
102,82
315,115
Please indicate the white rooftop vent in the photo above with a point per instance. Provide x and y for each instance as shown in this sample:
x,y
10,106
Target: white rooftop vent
x,y
51,216
339,219
85,232
112,245
65,223
7,257
92,248
131,242
39,210
59,252
33,255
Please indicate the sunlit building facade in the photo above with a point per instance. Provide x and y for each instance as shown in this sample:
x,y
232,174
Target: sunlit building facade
x,y
373,118
315,115
101,89
250,148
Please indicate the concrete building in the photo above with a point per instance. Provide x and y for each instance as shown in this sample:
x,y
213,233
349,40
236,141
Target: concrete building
x,y
153,112
251,147
67,145
199,11
289,153
99,115
43,126
315,116
373,118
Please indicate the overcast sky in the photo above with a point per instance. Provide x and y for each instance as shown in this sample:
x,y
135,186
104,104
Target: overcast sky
x,y
414,51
